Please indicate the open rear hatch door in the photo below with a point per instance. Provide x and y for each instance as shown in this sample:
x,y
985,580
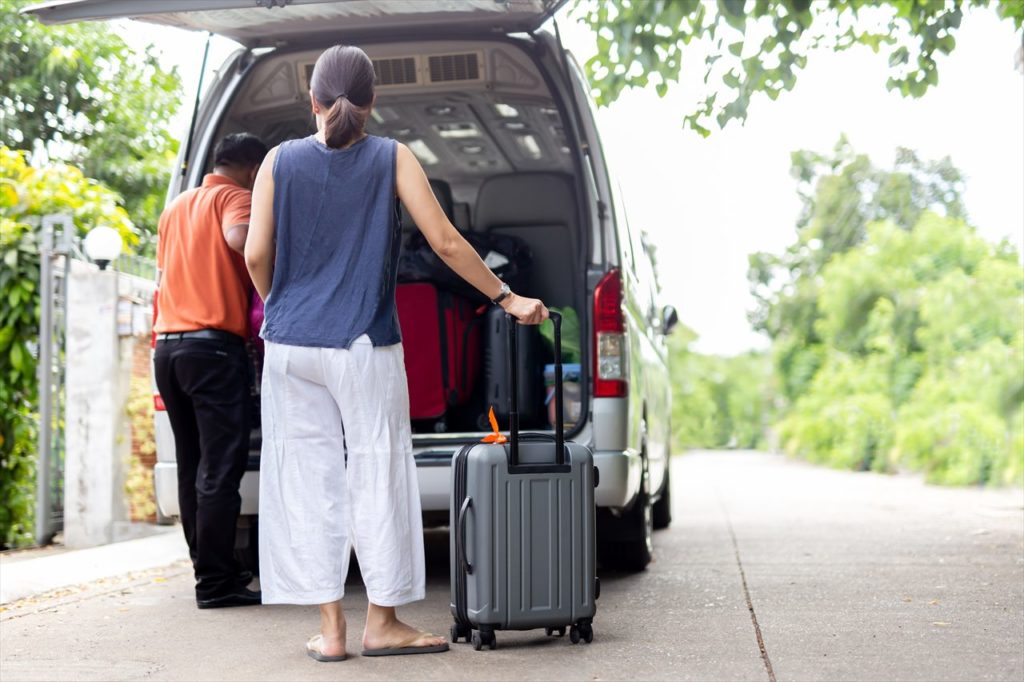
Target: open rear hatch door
x,y
256,23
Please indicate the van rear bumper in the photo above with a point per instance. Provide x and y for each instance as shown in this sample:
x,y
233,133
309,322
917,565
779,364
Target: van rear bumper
x,y
165,483
618,484
619,481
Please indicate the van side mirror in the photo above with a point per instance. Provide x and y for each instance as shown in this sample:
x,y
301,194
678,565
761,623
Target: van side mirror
x,y
669,319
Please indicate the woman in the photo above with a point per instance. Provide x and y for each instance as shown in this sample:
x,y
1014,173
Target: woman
x,y
337,470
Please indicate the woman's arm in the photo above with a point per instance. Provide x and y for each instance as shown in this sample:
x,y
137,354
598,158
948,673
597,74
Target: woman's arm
x,y
259,245
445,240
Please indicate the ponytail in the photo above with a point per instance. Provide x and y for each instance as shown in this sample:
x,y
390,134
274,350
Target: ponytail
x,y
343,123
342,82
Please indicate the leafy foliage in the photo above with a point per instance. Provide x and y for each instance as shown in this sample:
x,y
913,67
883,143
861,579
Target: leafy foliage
x,y
898,332
921,337
841,193
718,401
759,46
79,94
19,322
570,334
26,194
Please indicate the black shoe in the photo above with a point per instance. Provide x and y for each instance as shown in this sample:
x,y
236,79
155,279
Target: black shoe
x,y
244,578
239,597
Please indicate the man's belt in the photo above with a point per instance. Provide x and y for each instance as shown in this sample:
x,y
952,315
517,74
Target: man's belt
x,y
206,334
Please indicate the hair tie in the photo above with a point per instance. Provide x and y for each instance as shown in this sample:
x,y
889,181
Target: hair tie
x,y
342,96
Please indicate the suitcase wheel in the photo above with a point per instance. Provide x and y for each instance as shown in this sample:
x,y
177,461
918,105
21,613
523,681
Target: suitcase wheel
x,y
459,631
582,630
481,637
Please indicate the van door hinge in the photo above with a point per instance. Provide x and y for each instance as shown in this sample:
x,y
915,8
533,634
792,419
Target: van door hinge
x,y
602,209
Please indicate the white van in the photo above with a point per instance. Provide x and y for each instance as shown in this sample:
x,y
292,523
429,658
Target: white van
x,y
499,115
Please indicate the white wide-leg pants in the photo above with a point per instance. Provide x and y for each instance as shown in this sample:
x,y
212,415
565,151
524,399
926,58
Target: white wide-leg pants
x,y
337,473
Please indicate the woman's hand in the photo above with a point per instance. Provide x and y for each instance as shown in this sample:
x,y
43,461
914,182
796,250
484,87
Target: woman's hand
x,y
526,310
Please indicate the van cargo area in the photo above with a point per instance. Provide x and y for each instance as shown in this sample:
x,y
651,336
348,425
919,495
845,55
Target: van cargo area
x,y
492,139
498,113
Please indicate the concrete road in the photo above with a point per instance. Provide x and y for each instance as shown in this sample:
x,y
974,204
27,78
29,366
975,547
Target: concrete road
x,y
771,570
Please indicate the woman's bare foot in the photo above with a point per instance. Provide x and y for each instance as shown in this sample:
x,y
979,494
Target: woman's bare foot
x,y
331,640
318,650
385,631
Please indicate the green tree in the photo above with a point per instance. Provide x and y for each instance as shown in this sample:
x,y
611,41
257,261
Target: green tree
x,y
79,94
921,339
759,46
718,401
841,193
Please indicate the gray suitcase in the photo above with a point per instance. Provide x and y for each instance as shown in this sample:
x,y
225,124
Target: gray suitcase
x,y
522,530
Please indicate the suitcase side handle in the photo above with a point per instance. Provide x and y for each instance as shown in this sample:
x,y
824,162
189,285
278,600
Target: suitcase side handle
x,y
513,398
461,546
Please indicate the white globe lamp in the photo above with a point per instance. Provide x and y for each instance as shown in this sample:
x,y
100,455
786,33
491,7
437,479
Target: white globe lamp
x,y
102,245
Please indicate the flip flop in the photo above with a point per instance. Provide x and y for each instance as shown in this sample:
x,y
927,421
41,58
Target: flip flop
x,y
313,651
407,650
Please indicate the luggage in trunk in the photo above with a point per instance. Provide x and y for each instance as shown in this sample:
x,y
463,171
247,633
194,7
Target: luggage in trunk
x,y
441,341
509,258
528,370
522,532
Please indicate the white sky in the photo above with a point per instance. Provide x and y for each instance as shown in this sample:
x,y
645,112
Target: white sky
x,y
708,203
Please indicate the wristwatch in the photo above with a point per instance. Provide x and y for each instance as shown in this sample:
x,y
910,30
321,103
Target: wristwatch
x,y
505,292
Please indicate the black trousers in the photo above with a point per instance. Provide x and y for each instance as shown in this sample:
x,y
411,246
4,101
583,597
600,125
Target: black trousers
x,y
205,387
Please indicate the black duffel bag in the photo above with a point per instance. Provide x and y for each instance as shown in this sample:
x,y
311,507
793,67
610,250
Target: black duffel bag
x,y
508,257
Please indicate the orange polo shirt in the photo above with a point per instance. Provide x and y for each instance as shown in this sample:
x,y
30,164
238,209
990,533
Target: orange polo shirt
x,y
204,284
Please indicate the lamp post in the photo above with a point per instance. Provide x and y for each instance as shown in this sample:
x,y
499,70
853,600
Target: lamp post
x,y
102,245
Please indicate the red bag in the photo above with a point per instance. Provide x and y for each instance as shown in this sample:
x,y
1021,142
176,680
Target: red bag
x,y
441,341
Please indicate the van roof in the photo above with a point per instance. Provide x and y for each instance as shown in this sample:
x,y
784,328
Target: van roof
x,y
273,22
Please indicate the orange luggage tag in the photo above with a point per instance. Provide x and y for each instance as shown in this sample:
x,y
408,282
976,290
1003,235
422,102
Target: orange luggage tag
x,y
495,436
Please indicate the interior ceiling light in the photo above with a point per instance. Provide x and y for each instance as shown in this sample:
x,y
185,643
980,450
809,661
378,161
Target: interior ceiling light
x,y
422,152
450,130
382,114
514,125
376,116
440,110
529,147
506,111
550,112
472,149
402,132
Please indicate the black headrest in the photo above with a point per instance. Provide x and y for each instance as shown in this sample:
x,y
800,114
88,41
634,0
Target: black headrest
x,y
443,191
526,199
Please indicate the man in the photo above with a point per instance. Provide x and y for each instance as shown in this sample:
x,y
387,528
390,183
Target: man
x,y
201,363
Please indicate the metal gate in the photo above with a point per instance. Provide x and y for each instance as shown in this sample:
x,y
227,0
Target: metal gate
x,y
54,261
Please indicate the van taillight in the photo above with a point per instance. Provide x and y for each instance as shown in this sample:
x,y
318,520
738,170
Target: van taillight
x,y
610,355
158,403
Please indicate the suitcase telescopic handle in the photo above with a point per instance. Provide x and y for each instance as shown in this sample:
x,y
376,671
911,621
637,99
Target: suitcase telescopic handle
x,y
513,397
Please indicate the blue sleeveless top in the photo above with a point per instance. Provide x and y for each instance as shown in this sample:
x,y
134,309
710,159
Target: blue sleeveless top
x,y
338,238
